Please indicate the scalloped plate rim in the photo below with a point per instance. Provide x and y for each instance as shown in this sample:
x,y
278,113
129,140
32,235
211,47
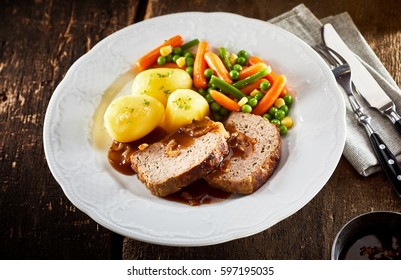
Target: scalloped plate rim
x,y
101,219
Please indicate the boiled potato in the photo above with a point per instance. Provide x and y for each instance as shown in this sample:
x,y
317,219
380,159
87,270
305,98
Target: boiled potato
x,y
183,106
131,117
161,82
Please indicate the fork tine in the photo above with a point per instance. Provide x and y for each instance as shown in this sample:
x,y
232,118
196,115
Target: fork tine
x,y
331,55
326,55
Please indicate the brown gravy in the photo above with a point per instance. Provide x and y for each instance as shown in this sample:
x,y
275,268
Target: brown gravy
x,y
240,146
199,192
120,153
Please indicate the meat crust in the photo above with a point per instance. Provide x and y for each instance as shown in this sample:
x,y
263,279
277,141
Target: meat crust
x,y
182,157
246,173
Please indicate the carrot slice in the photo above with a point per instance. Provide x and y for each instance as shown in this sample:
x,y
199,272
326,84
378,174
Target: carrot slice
x,y
271,96
255,85
249,71
224,100
254,59
215,63
200,66
150,58
271,76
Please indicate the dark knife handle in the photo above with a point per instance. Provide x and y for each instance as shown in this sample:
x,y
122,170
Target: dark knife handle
x,y
389,163
397,125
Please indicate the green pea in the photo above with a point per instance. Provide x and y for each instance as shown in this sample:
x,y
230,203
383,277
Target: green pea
x,y
258,96
253,102
246,108
283,130
242,53
241,60
279,114
217,116
187,54
211,86
202,92
234,74
189,61
265,85
209,98
161,60
177,51
208,73
268,116
189,70
224,112
215,106
237,67
275,121
175,57
272,110
169,58
288,99
284,108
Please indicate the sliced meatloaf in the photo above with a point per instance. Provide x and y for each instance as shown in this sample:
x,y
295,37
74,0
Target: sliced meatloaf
x,y
182,157
255,150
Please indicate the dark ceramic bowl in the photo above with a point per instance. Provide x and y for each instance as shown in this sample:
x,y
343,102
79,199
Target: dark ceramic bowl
x,y
370,236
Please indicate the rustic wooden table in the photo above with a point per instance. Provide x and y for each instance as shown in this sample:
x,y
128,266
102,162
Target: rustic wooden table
x,y
41,39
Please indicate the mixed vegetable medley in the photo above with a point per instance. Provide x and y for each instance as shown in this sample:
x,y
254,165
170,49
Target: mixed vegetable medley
x,y
179,82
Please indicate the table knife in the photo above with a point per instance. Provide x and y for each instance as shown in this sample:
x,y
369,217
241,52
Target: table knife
x,y
364,82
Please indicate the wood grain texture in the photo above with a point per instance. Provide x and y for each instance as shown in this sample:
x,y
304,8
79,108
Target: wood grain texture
x,y
39,42
41,39
310,232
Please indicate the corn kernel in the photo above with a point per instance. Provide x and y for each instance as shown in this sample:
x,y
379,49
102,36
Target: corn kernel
x,y
166,50
279,102
287,121
233,58
180,62
254,92
143,146
243,101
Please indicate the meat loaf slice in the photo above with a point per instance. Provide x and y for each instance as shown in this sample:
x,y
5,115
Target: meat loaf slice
x,y
255,153
182,157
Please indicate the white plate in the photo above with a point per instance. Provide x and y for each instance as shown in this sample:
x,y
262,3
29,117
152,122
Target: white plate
x,y
122,204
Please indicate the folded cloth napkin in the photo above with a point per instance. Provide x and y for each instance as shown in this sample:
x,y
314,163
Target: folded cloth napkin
x,y
301,22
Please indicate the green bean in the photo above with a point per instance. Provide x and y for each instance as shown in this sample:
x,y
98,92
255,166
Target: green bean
x,y
226,87
190,44
225,58
253,78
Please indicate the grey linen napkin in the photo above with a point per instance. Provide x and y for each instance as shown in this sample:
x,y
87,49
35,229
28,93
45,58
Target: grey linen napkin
x,y
301,22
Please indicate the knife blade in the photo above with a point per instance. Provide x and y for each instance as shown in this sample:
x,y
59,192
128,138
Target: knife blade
x,y
364,82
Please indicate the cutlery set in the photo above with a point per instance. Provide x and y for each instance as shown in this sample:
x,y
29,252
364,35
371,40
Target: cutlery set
x,y
354,78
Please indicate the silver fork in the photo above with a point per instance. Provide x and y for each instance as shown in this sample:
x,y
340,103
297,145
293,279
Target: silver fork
x,y
343,75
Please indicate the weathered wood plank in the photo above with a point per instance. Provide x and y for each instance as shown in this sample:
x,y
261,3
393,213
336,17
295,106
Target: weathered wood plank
x,y
309,233
41,39
39,42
